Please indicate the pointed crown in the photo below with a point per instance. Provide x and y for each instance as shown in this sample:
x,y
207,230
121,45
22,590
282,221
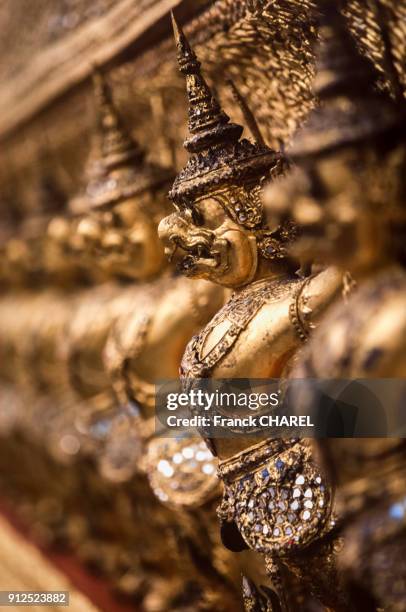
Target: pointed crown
x,y
117,146
351,109
116,168
218,157
208,123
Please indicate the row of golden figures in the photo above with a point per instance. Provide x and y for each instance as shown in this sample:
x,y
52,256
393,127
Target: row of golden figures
x,y
279,264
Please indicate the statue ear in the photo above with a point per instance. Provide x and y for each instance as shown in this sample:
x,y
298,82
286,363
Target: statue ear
x,y
231,537
252,241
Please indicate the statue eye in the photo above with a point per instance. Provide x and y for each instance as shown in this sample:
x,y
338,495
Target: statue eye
x,y
197,217
117,220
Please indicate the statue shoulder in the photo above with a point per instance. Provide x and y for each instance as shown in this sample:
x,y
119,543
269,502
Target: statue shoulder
x,y
383,341
314,296
363,336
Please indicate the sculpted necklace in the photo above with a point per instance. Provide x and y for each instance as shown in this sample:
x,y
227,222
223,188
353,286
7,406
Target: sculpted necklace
x,y
238,312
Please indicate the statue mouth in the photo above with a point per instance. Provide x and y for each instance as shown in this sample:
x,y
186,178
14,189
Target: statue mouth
x,y
197,251
199,257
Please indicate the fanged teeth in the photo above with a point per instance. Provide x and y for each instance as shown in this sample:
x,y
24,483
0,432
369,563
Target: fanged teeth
x,y
170,251
187,263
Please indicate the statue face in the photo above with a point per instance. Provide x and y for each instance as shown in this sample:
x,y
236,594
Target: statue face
x,y
123,240
57,256
324,202
213,246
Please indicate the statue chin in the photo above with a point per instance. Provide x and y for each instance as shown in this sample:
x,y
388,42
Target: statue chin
x,y
226,259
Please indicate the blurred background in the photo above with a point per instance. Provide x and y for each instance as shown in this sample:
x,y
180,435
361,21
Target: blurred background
x,y
70,510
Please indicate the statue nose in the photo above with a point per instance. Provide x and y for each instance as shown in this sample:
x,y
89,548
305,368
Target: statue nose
x,y
112,240
167,227
89,230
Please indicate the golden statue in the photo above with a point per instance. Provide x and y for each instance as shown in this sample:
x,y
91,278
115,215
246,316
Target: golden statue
x,y
349,194
124,198
219,225
146,341
37,253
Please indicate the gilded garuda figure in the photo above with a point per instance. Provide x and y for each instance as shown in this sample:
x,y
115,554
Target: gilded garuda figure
x,y
39,278
219,225
37,253
349,193
123,200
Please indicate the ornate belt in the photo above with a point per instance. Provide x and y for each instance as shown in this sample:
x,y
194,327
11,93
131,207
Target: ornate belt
x,y
276,495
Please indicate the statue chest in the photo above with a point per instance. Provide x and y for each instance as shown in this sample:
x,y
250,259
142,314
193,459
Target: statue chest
x,y
356,338
237,331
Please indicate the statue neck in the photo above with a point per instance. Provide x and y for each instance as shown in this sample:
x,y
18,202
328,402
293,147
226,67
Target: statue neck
x,y
271,271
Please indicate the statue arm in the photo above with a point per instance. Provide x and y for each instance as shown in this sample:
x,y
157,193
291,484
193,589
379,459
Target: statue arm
x,y
316,294
383,345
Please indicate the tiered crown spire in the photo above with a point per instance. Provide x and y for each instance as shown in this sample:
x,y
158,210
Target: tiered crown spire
x,y
351,108
219,159
209,125
117,146
117,169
